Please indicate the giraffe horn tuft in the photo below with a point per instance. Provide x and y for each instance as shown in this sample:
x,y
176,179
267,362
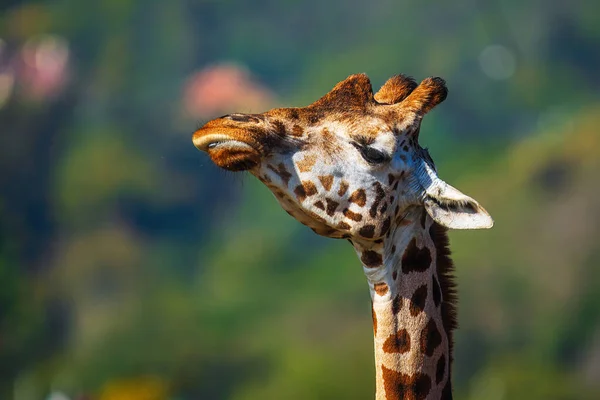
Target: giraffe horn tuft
x,y
395,89
430,92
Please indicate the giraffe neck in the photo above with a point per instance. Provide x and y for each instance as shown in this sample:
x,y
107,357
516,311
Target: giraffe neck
x,y
413,312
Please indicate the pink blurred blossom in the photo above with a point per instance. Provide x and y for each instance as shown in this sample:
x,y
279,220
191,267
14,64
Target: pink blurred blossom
x,y
43,68
222,89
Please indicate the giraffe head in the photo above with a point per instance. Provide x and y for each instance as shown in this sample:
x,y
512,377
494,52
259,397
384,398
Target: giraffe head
x,y
348,165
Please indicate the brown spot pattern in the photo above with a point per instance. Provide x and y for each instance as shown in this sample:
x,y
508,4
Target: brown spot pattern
x,y
292,113
396,304
326,181
367,231
381,288
371,259
379,195
430,338
440,369
319,204
343,188
418,300
306,164
352,215
359,197
398,342
395,275
447,392
344,226
300,193
399,386
306,189
332,205
279,127
265,179
391,178
386,225
282,172
309,188
297,130
415,259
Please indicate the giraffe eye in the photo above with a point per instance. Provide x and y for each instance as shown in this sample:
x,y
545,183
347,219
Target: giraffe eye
x,y
372,155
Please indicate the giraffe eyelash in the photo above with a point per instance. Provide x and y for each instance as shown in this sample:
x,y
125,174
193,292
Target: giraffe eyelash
x,y
364,141
371,155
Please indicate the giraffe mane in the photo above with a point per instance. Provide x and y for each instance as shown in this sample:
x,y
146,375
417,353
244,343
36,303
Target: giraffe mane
x,y
445,272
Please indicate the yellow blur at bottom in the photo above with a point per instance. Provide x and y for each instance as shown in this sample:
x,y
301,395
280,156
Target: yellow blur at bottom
x,y
141,388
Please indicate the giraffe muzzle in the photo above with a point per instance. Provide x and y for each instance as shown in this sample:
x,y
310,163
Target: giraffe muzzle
x,y
226,152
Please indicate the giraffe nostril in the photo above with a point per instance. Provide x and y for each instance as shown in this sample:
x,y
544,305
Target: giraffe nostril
x,y
242,118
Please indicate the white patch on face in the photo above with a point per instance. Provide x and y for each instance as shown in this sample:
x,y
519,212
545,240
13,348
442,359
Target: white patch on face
x,y
385,142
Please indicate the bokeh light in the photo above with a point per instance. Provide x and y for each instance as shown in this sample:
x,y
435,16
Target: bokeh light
x,y
497,62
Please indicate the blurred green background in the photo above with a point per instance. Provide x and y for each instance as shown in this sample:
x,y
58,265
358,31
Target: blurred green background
x,y
132,268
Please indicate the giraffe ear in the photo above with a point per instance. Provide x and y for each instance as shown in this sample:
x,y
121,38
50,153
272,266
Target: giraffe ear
x,y
447,205
453,209
396,89
353,92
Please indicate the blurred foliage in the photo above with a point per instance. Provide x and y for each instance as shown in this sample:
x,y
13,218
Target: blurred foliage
x,y
131,268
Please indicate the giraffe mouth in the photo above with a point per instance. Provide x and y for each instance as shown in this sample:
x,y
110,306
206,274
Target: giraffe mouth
x,y
210,142
228,153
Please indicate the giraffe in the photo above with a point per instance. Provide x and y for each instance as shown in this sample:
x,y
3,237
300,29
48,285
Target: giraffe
x,y
350,166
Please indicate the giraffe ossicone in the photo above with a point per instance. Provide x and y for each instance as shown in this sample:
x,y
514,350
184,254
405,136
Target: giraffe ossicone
x,y
350,166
